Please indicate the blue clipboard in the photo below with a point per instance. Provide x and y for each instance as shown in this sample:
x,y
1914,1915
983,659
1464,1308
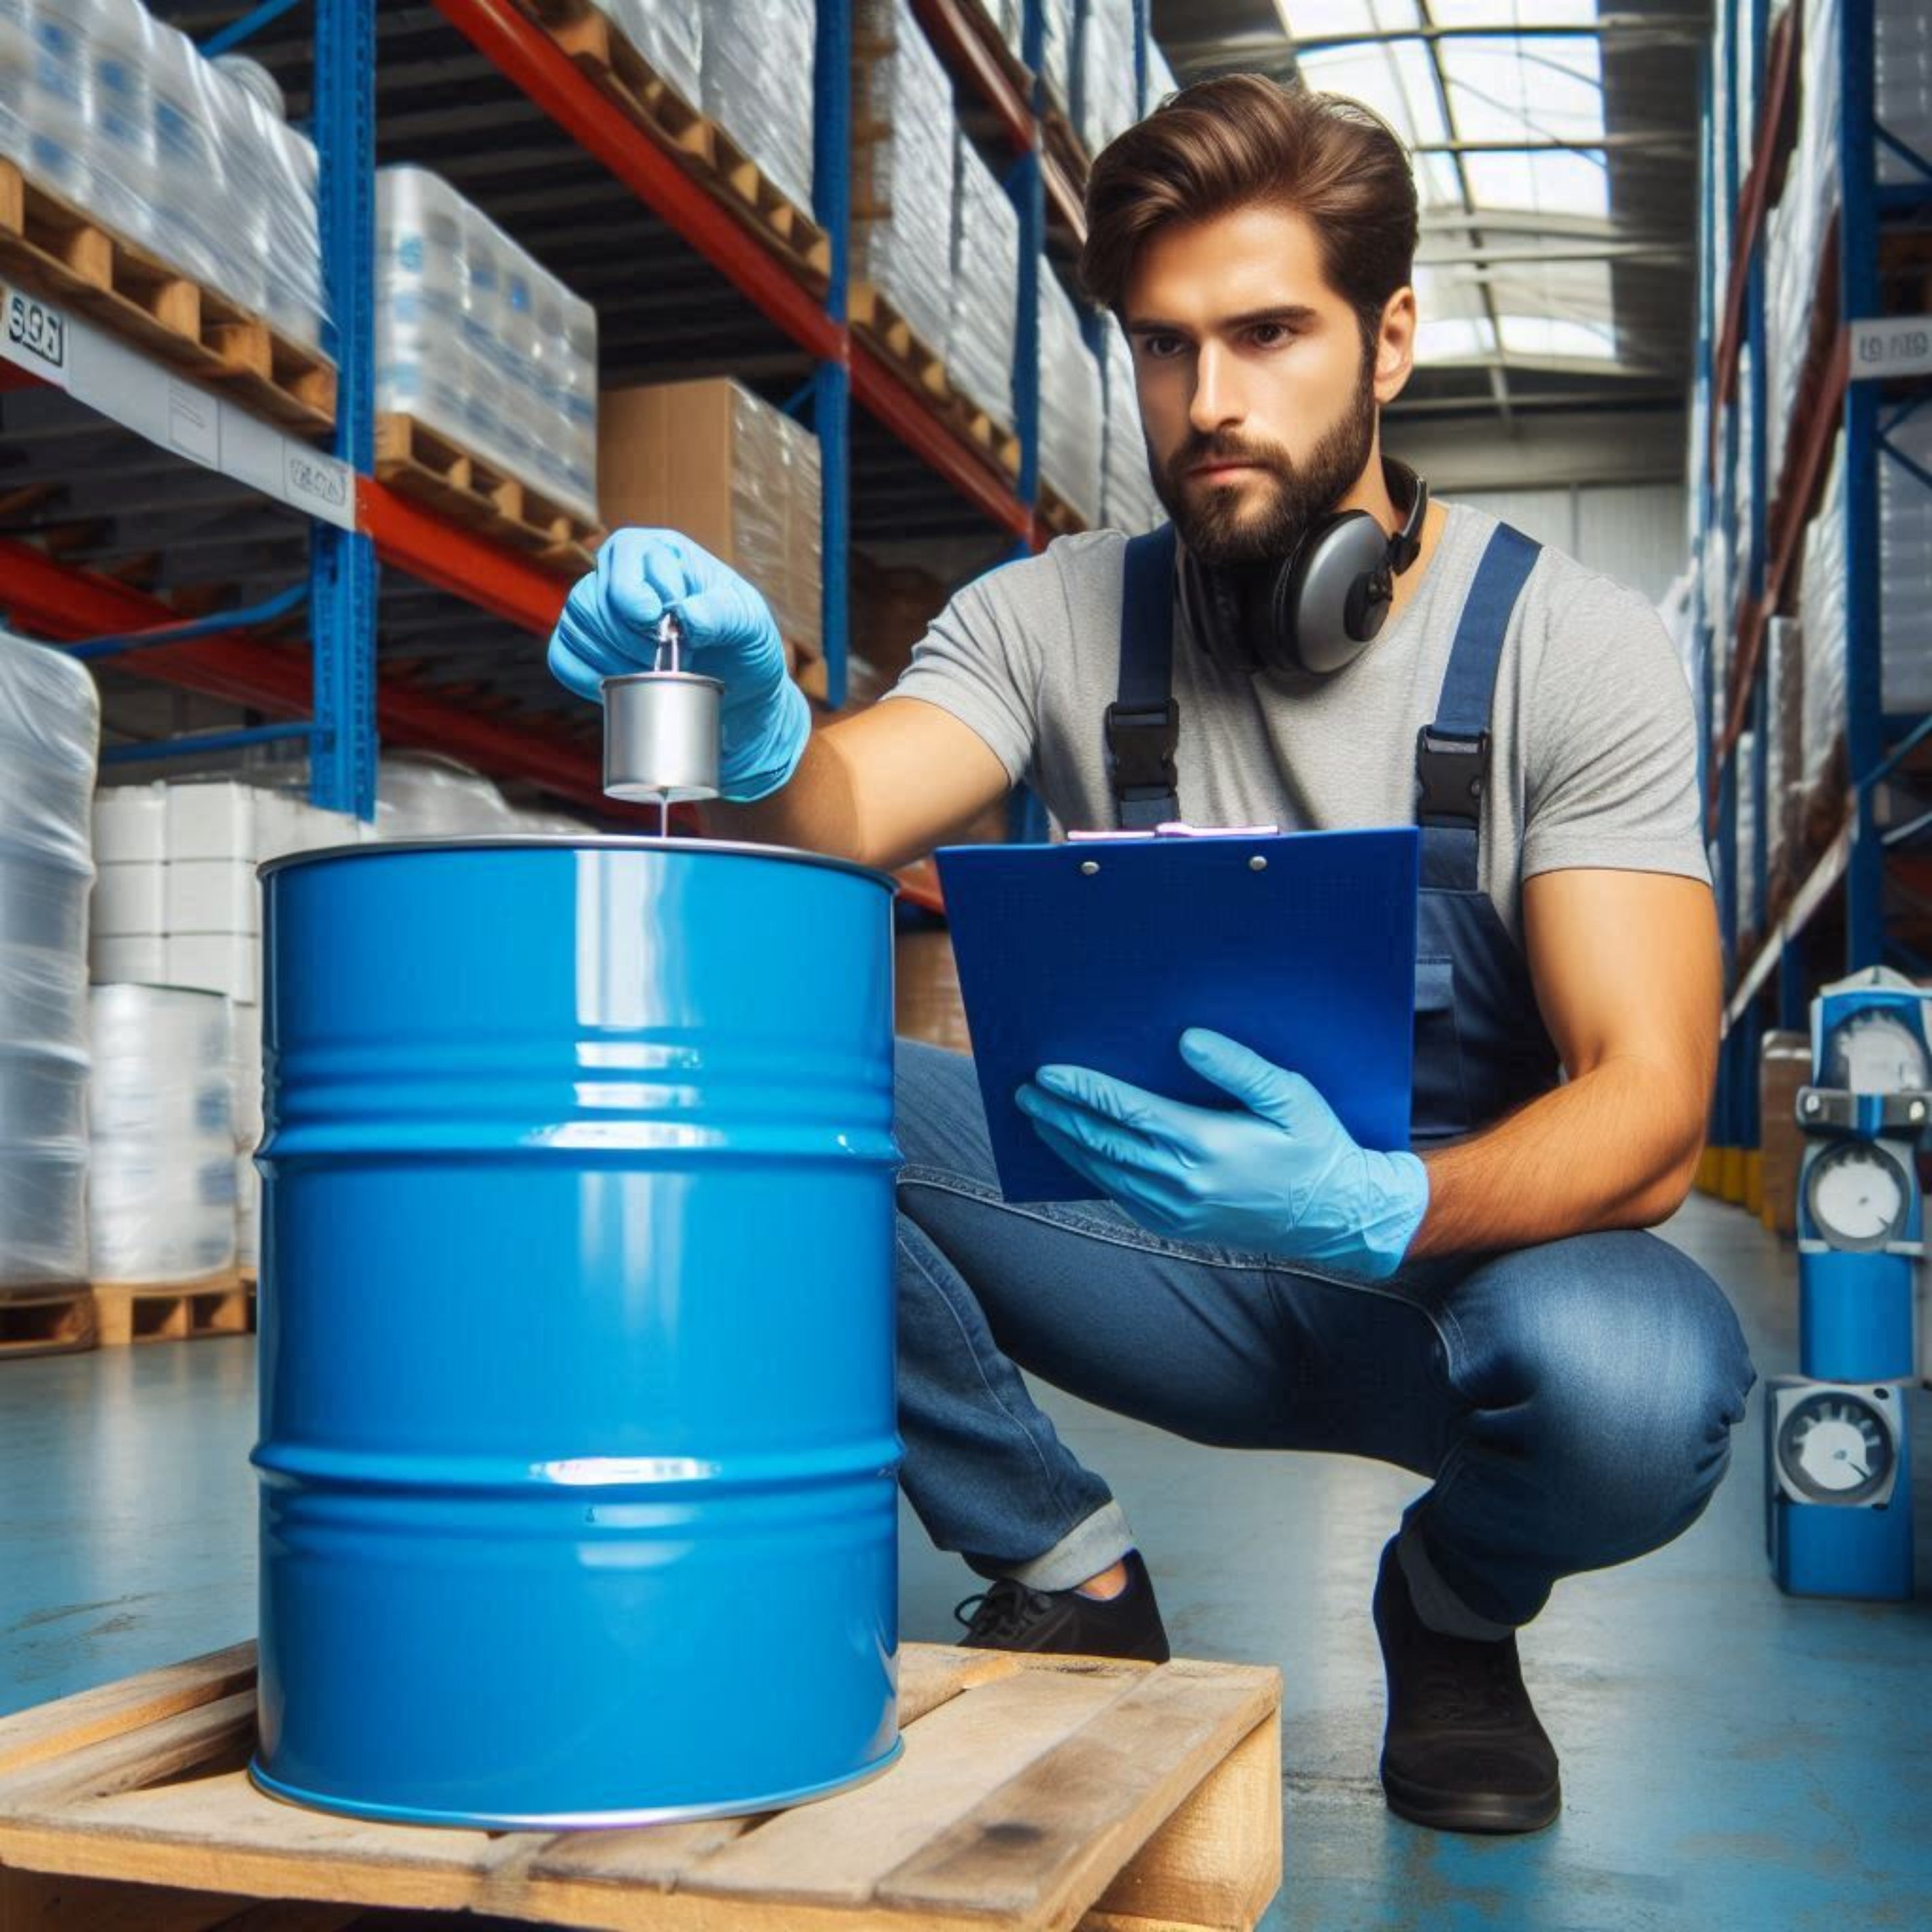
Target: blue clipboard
x,y
1103,952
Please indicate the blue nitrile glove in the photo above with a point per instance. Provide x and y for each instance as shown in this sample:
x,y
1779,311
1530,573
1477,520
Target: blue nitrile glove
x,y
1282,1176
609,629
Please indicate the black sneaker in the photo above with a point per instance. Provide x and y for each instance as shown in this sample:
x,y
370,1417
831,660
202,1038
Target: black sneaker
x,y
1009,1616
1463,1751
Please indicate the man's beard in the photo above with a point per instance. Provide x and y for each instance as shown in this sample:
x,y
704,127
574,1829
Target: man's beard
x,y
1219,527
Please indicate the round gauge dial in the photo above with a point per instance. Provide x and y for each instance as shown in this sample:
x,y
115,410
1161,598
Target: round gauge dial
x,y
1835,1448
1857,1195
1876,1051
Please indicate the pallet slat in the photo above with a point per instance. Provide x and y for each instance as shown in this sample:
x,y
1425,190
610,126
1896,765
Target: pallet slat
x,y
130,1312
45,1322
422,462
1034,1792
61,252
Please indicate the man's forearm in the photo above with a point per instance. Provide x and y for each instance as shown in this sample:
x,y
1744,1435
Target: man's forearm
x,y
813,812
1616,1148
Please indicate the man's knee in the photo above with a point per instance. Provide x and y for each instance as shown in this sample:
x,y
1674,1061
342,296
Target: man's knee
x,y
938,1116
1631,1370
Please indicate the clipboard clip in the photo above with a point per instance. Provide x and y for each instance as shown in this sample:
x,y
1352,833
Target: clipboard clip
x,y
1177,828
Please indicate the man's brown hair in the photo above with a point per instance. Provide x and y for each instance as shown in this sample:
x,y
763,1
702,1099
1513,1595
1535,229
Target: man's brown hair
x,y
1240,139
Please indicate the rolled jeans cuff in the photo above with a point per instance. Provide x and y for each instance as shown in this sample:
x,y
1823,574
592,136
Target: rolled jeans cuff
x,y
1090,1546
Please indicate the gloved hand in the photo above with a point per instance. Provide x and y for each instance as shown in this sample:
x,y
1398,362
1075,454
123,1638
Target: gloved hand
x,y
609,629
1282,1177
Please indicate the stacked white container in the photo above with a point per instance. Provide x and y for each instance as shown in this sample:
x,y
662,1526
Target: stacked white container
x,y
475,341
49,733
1821,611
905,131
1057,64
669,34
1905,566
1105,102
1160,80
1069,401
120,115
1903,31
983,325
759,58
1127,499
161,1192
1748,908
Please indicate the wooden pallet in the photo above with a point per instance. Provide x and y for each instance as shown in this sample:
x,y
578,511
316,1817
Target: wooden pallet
x,y
1060,518
57,250
57,1320
696,141
1034,1792
422,462
216,1304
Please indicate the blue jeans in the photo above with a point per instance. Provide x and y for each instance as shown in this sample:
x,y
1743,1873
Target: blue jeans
x,y
1572,1403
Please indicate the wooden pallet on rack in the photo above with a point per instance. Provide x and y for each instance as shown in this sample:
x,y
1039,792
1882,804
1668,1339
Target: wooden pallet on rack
x,y
56,1320
418,461
1034,1792
875,317
620,71
997,443
1060,518
55,250
128,1312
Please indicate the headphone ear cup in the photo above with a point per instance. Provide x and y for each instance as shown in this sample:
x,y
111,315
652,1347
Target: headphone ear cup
x,y
1337,593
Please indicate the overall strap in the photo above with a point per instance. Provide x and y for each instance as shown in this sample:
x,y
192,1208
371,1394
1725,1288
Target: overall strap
x,y
1144,723
1452,755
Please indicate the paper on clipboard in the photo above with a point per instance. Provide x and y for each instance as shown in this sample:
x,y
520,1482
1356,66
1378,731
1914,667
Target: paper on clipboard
x,y
1101,952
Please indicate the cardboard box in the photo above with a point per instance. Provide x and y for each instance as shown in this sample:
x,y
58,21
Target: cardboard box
x,y
715,462
1784,1065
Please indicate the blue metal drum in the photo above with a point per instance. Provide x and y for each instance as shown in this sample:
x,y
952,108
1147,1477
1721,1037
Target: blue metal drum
x,y
578,1445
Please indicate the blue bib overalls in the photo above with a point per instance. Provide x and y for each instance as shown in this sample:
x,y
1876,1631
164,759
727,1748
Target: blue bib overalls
x,y
1571,1403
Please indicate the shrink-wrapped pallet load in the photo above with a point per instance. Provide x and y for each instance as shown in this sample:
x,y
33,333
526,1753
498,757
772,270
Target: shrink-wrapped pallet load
x,y
759,58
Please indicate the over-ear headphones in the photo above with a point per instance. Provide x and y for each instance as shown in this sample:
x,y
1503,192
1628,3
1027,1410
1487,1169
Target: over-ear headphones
x,y
1317,609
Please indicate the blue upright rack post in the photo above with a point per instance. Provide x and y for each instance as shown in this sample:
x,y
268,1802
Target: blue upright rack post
x,y
832,406
342,609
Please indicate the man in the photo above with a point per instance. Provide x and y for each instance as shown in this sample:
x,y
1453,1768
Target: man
x,y
1487,1314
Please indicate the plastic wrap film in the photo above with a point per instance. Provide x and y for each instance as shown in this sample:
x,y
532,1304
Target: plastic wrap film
x,y
1746,125
1723,214
1902,30
1784,745
1127,499
759,59
1905,566
1737,585
983,329
118,114
1797,227
1715,564
1821,613
1160,78
1749,909
161,1190
1069,401
475,341
1062,23
670,35
49,736
1105,100
904,132
1009,19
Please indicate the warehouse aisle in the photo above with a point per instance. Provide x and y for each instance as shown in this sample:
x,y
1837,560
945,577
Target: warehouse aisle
x,y
1731,1760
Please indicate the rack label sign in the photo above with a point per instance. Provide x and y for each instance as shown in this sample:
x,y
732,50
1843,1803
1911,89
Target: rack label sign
x,y
320,484
1900,345
36,336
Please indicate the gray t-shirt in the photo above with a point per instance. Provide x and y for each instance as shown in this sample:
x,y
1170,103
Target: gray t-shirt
x,y
1593,750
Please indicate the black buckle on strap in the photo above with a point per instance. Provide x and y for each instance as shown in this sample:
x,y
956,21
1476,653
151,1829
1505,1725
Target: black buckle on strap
x,y
1449,775
1141,742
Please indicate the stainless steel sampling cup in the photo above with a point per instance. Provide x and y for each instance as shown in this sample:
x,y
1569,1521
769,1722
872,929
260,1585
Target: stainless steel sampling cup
x,y
661,730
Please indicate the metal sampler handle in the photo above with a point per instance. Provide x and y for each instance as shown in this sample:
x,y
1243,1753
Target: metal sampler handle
x,y
661,728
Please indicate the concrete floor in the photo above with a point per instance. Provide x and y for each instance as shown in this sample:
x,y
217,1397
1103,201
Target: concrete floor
x,y
1732,1758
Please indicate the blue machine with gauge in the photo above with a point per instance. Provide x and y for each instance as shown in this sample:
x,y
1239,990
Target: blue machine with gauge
x,y
1839,1501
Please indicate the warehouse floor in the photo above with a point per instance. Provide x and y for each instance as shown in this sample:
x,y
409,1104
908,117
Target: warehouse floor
x,y
1731,1759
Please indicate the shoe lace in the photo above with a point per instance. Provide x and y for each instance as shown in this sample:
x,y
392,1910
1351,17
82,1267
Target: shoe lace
x,y
1452,1692
1002,1612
